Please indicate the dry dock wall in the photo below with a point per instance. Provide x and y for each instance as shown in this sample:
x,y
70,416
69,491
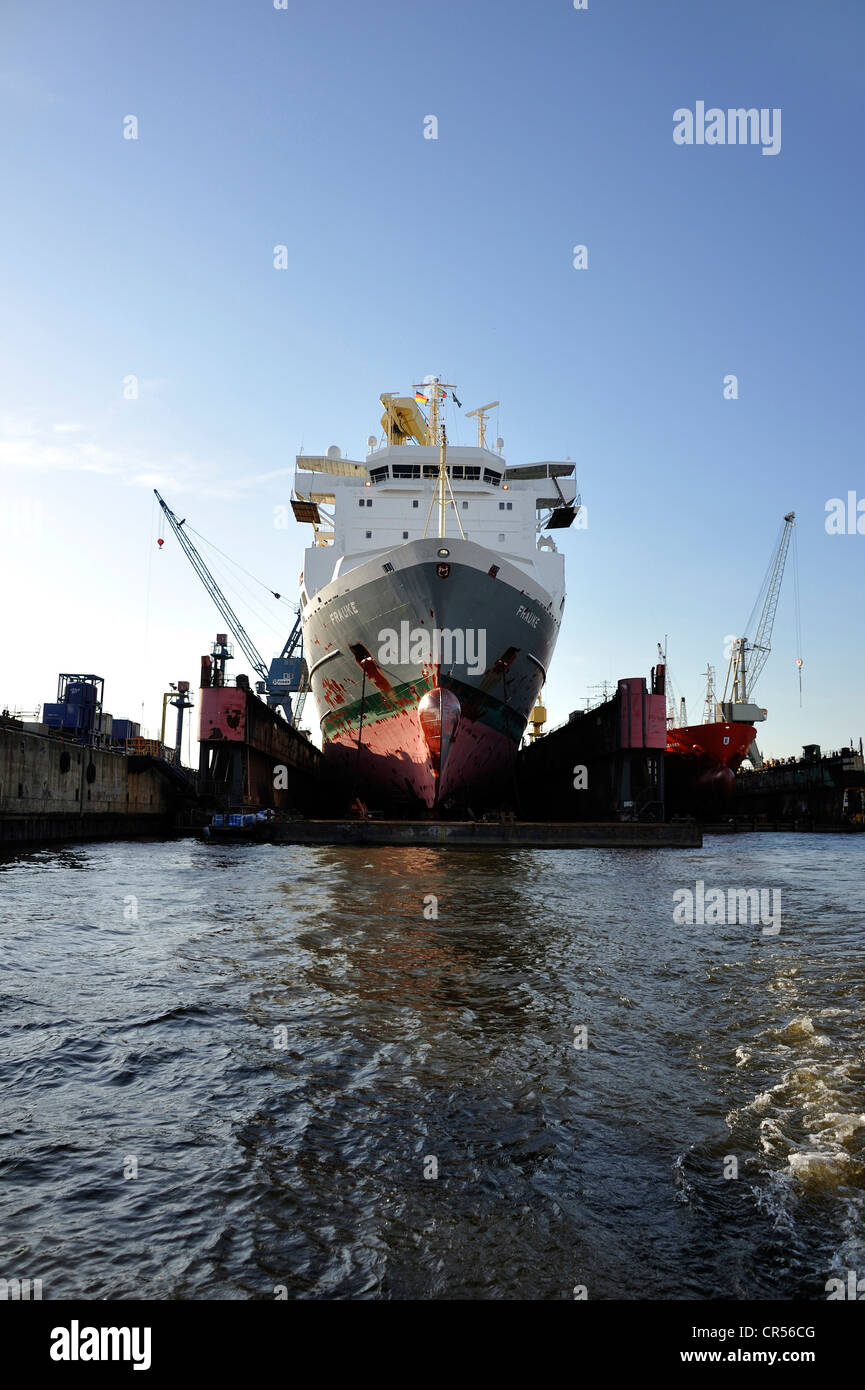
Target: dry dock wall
x,y
51,789
481,834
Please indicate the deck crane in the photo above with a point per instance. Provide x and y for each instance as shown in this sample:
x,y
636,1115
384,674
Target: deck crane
x,y
287,673
749,656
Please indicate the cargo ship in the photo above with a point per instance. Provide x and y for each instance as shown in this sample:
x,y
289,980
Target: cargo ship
x,y
708,756
431,601
703,759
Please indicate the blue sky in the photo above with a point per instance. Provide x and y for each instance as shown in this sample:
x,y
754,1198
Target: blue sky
x,y
304,127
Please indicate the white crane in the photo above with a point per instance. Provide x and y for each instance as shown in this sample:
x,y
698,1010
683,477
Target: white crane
x,y
749,655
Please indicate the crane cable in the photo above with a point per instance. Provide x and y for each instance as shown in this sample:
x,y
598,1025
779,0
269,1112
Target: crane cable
x,y
240,590
271,591
799,661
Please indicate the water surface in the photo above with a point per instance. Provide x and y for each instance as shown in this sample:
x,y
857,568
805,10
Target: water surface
x,y
281,1040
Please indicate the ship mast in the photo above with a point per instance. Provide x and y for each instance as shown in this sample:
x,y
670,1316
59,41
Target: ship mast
x,y
437,390
481,413
443,473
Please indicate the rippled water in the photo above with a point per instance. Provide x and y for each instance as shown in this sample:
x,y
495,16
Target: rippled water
x,y
147,988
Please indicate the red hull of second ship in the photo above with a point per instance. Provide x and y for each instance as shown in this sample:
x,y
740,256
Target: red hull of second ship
x,y
702,762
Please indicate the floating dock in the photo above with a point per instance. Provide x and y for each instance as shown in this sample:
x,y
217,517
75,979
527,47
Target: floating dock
x,y
56,789
603,764
468,834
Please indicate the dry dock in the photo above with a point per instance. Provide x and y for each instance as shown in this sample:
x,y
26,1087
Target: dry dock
x,y
55,789
471,834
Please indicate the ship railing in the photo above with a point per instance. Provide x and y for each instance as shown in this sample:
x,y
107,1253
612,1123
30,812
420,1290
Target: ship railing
x,y
147,747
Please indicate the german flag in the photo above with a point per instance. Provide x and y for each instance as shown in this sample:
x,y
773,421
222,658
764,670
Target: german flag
x,y
421,398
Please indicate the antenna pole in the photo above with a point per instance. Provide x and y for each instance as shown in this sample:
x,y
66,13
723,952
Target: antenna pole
x,y
481,413
442,476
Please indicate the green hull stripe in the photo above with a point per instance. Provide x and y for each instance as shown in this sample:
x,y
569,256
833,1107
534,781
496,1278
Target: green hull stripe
x,y
377,706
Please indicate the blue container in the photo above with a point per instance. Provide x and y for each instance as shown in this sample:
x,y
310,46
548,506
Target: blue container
x,y
125,728
80,693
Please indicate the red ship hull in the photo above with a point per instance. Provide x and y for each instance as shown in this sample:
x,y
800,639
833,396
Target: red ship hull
x,y
702,762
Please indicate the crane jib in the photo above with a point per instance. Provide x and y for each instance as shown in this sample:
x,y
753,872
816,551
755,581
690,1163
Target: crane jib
x,y
285,671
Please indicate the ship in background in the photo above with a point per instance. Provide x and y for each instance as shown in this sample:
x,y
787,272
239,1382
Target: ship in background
x,y
703,759
431,601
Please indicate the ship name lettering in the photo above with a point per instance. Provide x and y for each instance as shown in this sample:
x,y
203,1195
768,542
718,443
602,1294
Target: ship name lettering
x,y
348,610
528,616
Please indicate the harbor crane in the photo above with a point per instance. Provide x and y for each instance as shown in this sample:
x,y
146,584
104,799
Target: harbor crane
x,y
287,673
749,655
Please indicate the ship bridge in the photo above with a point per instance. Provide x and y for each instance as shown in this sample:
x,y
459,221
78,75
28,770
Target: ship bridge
x,y
361,508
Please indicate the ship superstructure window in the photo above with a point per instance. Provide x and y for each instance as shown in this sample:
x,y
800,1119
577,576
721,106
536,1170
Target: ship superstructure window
x,y
415,502
430,470
406,470
379,475
506,505
405,535
472,474
501,535
491,477
368,535
465,506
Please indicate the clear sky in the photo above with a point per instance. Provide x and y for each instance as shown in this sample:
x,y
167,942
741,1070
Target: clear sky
x,y
304,127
